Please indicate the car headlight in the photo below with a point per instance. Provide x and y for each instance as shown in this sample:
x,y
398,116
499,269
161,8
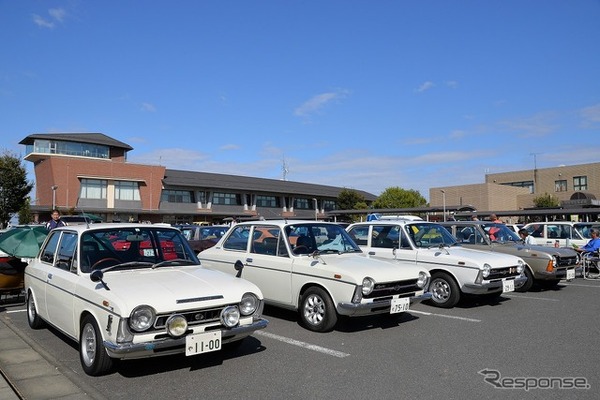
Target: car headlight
x,y
555,261
485,271
142,318
230,316
367,285
176,325
249,304
521,266
422,280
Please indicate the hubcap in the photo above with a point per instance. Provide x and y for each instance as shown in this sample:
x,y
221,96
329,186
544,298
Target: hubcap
x,y
440,290
88,345
314,310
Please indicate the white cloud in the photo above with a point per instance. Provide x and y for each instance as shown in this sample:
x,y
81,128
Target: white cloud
x,y
452,84
537,125
55,15
229,147
318,102
425,86
148,107
590,115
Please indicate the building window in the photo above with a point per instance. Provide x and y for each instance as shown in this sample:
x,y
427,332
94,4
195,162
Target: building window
x,y
580,183
560,186
177,196
303,204
93,189
524,184
201,197
69,148
127,191
267,201
329,205
227,199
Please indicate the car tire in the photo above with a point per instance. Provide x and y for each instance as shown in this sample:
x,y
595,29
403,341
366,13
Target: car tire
x,y
92,354
33,319
527,284
444,290
317,312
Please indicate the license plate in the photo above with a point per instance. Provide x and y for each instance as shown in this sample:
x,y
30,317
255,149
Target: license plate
x,y
508,286
570,274
400,305
199,343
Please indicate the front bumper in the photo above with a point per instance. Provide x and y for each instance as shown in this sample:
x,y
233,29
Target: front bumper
x,y
491,287
375,306
175,346
556,274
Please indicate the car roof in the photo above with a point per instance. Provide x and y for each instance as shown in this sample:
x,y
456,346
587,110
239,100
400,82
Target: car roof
x,y
283,222
393,222
112,225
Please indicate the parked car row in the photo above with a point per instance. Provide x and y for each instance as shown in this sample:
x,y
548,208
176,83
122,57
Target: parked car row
x,y
124,291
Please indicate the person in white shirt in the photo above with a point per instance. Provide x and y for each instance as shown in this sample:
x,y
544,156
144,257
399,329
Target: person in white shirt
x,y
526,237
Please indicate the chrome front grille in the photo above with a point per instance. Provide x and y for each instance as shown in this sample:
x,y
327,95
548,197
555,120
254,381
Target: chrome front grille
x,y
504,272
193,317
393,288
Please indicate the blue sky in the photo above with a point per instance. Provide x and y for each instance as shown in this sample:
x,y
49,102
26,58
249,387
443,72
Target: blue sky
x,y
359,94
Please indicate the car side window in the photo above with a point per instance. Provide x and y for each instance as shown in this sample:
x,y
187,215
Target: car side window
x,y
49,251
238,239
65,258
265,240
359,234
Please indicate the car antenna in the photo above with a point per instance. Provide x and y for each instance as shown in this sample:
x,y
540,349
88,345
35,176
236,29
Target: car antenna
x,y
87,224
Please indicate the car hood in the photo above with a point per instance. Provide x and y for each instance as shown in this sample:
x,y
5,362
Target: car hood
x,y
355,267
555,251
170,289
468,257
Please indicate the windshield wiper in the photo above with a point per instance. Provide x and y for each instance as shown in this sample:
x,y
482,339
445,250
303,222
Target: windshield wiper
x,y
177,261
127,264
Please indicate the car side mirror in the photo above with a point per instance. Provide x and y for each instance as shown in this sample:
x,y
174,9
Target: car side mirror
x,y
97,276
238,266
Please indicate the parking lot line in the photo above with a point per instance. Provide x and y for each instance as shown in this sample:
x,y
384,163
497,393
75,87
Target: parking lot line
x,y
445,316
305,345
518,296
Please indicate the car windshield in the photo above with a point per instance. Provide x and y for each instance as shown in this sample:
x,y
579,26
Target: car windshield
x,y
134,248
323,238
500,233
425,235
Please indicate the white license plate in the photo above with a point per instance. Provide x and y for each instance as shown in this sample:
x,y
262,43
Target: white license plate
x,y
508,286
199,343
400,305
570,274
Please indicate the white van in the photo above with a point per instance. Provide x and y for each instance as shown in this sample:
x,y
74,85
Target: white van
x,y
556,234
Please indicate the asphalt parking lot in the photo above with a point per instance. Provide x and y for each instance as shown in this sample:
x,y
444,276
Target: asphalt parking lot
x,y
539,344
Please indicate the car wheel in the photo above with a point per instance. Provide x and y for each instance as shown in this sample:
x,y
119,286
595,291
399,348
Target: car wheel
x,y
444,290
527,284
33,319
94,358
317,312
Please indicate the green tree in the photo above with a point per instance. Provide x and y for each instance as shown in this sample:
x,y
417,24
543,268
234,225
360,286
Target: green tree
x,y
546,201
348,199
14,187
25,216
396,197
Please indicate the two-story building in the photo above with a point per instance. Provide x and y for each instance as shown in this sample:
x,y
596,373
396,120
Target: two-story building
x,y
89,173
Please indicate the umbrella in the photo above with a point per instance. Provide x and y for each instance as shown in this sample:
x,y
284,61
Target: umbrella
x,y
23,241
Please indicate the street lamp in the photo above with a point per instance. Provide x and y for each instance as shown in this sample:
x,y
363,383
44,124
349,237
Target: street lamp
x,y
316,209
54,187
444,202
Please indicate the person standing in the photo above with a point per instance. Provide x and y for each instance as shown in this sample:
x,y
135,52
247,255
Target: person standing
x,y
526,237
55,222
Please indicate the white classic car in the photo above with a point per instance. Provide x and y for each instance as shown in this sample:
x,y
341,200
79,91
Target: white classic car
x,y
316,269
454,270
125,291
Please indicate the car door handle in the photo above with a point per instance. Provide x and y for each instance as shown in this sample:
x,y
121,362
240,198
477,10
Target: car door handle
x,y
248,260
371,253
49,276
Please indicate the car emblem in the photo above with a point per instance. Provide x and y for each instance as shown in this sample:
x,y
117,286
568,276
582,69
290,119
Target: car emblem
x,y
199,317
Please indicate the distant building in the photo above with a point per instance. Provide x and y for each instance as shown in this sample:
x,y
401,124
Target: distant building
x,y
89,172
575,186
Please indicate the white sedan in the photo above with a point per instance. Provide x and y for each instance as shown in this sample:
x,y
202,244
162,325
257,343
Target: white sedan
x,y
454,270
125,291
316,269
